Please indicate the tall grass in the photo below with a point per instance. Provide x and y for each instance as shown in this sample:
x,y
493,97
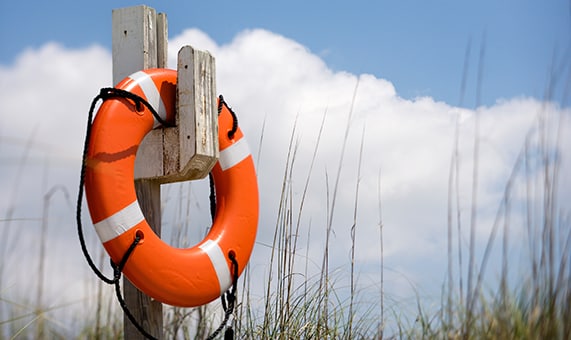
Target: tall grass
x,y
538,307
536,304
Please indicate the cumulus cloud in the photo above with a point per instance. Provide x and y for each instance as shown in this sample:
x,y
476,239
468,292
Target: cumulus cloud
x,y
270,78
278,88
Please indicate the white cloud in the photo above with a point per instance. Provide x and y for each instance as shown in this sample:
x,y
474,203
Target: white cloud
x,y
50,89
267,77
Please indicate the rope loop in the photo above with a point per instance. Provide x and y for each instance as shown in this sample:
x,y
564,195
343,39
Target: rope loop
x,y
111,92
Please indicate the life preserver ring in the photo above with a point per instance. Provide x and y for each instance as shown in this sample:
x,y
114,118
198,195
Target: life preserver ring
x,y
180,277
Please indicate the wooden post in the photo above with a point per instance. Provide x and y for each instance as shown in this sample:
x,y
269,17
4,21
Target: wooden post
x,y
134,49
184,152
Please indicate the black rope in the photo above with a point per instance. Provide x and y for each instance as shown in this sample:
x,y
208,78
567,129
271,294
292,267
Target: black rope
x,y
227,301
230,299
212,197
80,193
104,94
111,92
221,103
117,270
108,93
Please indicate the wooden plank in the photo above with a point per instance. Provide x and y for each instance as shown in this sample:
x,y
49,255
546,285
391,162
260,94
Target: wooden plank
x,y
189,150
134,49
162,40
197,114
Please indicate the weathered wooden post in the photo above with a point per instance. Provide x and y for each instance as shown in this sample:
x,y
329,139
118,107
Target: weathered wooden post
x,y
184,152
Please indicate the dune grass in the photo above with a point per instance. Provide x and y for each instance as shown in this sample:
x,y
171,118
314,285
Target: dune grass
x,y
535,304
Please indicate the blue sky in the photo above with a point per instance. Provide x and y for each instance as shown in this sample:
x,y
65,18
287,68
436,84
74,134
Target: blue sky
x,y
419,45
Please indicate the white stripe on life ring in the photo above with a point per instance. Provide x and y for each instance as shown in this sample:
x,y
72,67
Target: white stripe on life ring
x,y
216,256
119,222
234,154
152,94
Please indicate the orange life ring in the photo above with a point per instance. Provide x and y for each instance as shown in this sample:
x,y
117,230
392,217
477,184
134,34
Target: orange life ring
x,y
180,277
